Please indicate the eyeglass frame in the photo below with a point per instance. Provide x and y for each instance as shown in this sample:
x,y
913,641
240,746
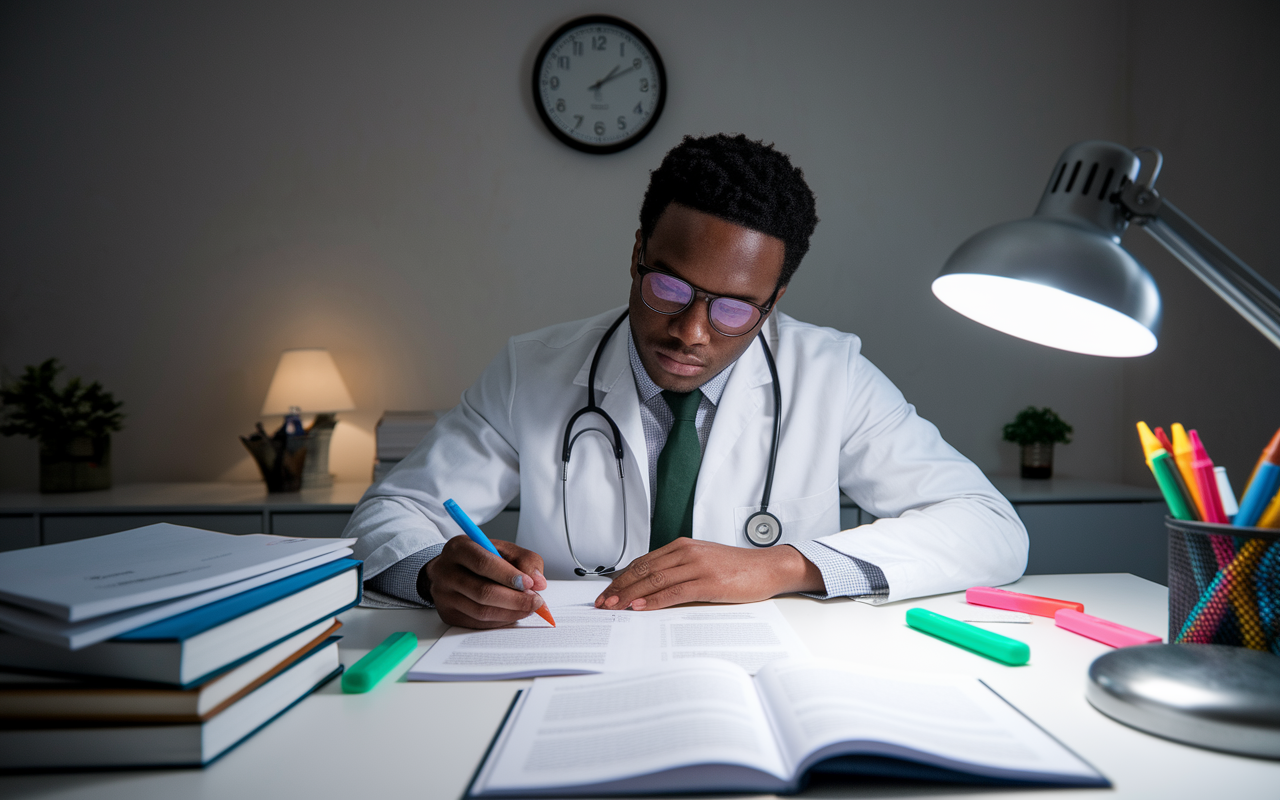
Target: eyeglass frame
x,y
644,269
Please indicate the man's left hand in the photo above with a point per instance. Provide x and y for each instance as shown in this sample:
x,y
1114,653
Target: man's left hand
x,y
689,570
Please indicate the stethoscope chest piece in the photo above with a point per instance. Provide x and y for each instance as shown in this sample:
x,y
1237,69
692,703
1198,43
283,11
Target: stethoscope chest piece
x,y
763,529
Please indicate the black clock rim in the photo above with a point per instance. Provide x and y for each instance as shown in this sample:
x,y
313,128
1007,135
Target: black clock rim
x,y
594,19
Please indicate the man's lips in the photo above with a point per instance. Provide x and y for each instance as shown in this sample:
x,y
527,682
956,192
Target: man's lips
x,y
679,365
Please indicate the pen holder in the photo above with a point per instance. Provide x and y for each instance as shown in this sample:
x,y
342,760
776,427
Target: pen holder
x,y
1224,585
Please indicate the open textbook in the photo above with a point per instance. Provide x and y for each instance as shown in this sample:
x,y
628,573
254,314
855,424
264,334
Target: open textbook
x,y
707,726
587,639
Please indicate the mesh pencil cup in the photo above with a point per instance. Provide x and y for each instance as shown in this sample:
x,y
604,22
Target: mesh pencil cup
x,y
1224,585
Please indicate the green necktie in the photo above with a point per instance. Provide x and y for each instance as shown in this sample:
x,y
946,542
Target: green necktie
x,y
677,472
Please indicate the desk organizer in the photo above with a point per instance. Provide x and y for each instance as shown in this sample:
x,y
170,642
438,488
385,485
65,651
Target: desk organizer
x,y
1224,585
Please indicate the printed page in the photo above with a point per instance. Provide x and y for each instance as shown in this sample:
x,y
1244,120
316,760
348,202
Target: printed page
x,y
90,578
956,720
587,639
584,640
597,730
750,635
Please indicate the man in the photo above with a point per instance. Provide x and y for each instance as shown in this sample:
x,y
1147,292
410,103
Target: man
x,y
687,382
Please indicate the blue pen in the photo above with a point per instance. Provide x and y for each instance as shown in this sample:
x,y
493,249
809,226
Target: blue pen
x,y
476,535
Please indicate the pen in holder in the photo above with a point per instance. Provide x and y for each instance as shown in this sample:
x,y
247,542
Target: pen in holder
x,y
281,457
1224,585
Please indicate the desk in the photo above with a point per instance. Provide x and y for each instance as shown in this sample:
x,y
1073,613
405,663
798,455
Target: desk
x,y
423,740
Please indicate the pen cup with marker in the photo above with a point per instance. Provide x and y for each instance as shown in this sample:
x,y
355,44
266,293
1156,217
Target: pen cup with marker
x,y
1224,585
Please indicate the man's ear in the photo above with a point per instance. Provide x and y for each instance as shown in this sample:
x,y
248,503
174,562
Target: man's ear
x,y
635,253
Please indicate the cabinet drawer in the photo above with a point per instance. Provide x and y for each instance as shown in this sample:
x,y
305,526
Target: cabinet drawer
x,y
310,524
1097,537
68,528
19,531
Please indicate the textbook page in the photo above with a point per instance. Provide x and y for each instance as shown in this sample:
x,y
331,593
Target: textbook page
x,y
89,578
952,722
701,719
589,640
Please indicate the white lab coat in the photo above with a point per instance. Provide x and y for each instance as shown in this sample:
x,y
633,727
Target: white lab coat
x,y
942,527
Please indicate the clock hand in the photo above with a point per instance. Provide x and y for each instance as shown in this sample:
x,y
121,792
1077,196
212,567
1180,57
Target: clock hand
x,y
611,76
602,81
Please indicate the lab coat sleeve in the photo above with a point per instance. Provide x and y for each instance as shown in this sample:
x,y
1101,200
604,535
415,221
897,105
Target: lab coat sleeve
x,y
943,527
470,455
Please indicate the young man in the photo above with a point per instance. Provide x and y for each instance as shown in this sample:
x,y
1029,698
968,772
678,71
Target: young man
x,y
669,465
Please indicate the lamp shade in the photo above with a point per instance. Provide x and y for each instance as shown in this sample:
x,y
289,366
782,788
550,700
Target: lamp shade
x,y
307,379
1060,278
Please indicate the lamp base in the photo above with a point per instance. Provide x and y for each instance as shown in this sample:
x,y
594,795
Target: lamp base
x,y
1213,696
315,472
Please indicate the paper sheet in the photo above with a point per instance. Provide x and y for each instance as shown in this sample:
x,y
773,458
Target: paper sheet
x,y
589,640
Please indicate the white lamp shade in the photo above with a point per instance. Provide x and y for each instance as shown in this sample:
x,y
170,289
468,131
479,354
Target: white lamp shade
x,y
307,378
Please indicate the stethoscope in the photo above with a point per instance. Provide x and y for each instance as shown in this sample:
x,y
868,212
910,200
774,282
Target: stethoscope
x,y
762,529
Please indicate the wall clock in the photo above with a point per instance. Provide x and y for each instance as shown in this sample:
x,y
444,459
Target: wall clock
x,y
598,84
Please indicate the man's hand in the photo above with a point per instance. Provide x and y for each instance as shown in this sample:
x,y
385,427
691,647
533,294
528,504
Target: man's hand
x,y
472,589
688,570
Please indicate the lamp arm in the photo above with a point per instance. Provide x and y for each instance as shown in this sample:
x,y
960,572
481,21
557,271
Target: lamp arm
x,y
1251,295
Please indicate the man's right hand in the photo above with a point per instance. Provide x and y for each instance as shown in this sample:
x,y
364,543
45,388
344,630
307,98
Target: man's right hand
x,y
472,589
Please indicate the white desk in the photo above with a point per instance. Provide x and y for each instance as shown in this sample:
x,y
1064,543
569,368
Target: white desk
x,y
421,740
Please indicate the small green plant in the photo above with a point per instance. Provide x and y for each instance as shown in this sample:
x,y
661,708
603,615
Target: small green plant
x,y
33,406
1037,426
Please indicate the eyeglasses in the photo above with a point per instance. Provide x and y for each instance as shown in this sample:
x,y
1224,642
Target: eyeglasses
x,y
666,294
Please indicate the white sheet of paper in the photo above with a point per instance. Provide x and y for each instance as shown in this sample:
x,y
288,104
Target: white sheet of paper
x,y
590,640
90,578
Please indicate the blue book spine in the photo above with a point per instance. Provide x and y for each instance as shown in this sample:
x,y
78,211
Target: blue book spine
x,y
201,619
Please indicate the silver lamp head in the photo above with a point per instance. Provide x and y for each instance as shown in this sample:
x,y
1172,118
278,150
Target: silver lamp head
x,y
1060,277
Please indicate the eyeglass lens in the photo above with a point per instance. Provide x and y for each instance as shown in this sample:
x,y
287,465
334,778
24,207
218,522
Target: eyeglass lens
x,y
667,294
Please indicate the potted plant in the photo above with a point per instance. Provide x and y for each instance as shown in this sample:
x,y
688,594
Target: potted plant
x,y
73,425
1037,430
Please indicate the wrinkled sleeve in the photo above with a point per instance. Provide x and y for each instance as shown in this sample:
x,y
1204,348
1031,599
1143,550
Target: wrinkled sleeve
x,y
943,527
470,456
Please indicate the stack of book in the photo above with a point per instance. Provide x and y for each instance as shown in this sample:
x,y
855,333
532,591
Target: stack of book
x,y
164,645
398,432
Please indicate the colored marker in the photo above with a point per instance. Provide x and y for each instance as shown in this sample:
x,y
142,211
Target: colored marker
x,y
378,662
1226,495
1206,481
1184,454
1165,472
1262,459
1164,440
1102,630
1016,601
984,643
476,535
1262,487
1271,517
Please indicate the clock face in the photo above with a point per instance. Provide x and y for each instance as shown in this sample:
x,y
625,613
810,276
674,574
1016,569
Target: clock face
x,y
598,84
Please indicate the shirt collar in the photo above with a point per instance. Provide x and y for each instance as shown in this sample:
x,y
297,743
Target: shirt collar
x,y
647,389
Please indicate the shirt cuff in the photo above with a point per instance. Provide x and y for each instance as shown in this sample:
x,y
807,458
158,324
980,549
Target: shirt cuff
x,y
400,580
843,575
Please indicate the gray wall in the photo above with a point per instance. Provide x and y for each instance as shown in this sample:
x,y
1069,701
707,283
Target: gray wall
x,y
187,191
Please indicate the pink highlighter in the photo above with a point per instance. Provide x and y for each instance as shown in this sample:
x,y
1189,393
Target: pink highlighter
x,y
1014,601
1102,630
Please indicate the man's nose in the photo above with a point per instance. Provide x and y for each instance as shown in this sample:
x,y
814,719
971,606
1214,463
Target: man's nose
x,y
693,325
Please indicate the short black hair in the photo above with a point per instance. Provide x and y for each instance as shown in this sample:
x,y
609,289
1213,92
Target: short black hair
x,y
745,182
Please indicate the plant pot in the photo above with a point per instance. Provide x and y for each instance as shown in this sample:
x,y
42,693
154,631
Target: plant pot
x,y
1037,460
82,464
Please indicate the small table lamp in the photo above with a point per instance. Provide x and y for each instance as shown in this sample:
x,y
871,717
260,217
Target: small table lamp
x,y
307,381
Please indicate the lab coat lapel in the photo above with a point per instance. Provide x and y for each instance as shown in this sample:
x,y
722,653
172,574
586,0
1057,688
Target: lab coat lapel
x,y
617,397
742,401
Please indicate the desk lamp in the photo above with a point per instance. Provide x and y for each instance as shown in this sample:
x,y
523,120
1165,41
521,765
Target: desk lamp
x,y
1060,278
307,381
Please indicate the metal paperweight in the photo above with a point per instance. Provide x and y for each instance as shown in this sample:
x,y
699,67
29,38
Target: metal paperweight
x,y
1212,696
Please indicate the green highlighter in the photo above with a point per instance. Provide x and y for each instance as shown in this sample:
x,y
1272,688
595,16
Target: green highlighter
x,y
365,673
984,643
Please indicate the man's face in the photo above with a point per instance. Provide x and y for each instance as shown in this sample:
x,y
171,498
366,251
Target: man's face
x,y
682,351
